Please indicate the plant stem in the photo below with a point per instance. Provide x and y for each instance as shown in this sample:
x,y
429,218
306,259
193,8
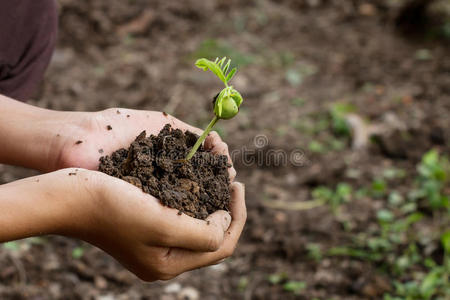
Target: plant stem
x,y
202,138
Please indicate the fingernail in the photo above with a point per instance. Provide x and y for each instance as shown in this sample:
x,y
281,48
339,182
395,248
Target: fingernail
x,y
239,183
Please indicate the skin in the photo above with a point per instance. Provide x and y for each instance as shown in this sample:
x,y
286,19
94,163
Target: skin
x,y
72,199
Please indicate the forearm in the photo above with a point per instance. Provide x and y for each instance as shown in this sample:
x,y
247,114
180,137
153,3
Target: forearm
x,y
28,134
28,209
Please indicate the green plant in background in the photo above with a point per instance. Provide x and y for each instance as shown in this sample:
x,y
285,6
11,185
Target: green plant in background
x,y
77,252
293,286
227,102
394,244
379,188
338,111
433,175
342,194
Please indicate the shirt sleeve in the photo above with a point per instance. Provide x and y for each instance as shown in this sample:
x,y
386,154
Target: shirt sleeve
x,y
28,31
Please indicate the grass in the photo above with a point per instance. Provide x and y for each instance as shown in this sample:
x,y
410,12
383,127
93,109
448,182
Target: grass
x,y
396,245
288,285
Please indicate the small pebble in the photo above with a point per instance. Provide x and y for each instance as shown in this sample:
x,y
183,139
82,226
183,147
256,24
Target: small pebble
x,y
172,288
188,293
100,282
106,297
109,127
220,268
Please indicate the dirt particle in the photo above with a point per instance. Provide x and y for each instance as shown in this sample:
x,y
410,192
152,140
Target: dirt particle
x,y
197,188
37,180
58,135
72,174
165,114
180,212
118,112
78,142
229,232
128,116
208,222
85,179
100,151
109,127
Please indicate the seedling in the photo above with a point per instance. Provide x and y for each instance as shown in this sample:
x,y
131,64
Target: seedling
x,y
226,103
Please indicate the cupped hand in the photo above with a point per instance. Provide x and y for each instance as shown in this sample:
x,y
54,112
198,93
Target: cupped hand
x,y
151,240
86,137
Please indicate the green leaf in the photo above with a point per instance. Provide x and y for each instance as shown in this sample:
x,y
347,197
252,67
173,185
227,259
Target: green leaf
x,y
395,198
294,286
385,216
294,77
316,147
430,283
378,187
445,239
77,252
227,66
206,64
322,193
344,192
277,278
243,283
237,97
431,158
12,246
231,74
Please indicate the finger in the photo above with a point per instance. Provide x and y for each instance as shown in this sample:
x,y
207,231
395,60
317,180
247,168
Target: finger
x,y
215,144
179,260
183,231
212,139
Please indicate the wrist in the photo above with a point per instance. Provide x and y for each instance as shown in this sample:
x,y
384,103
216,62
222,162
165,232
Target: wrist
x,y
27,134
82,200
53,203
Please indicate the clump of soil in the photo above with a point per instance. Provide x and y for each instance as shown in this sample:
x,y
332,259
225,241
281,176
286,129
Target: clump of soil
x,y
155,164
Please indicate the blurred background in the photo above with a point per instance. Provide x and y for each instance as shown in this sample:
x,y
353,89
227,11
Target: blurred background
x,y
359,89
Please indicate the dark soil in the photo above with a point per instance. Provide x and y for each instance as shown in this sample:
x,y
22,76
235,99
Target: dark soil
x,y
156,164
296,58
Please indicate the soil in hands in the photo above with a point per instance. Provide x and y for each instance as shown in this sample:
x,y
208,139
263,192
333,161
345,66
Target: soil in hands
x,y
156,164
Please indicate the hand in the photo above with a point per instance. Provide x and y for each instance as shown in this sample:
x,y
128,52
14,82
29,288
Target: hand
x,y
88,136
152,241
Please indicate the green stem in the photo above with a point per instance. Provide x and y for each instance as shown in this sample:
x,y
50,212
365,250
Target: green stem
x,y
202,138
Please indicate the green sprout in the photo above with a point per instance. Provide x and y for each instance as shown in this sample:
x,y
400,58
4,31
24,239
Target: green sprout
x,y
227,102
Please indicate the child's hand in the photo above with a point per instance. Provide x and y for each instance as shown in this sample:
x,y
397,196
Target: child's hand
x,y
103,132
152,241
49,140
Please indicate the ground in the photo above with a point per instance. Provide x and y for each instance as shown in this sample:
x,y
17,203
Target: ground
x,y
356,98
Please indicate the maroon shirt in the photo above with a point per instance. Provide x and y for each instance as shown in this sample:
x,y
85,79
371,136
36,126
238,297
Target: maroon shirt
x,y
28,30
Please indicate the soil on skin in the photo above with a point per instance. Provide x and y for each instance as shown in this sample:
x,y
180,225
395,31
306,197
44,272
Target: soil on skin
x,y
156,164
296,58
